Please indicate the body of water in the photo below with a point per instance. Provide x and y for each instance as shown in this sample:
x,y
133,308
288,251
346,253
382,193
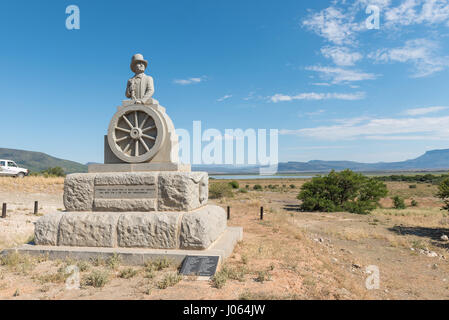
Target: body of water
x,y
253,177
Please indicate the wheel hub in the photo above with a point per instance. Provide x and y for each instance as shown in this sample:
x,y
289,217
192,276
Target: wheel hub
x,y
136,133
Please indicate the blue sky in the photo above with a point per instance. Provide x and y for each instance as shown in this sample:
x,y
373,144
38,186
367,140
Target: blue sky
x,y
334,89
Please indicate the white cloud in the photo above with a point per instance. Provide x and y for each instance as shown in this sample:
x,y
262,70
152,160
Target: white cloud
x,y
315,113
343,21
317,96
338,24
188,81
411,12
421,111
341,56
430,128
421,53
224,98
339,75
333,24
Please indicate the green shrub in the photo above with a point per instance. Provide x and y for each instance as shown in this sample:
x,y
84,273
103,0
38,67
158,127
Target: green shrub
x,y
161,264
414,203
443,193
234,184
292,186
114,261
169,280
262,276
96,279
342,191
412,186
426,178
219,279
242,190
127,273
53,172
219,190
83,266
398,202
257,187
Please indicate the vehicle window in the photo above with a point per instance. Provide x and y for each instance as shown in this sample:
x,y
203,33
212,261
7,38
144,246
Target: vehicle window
x,y
11,164
2,163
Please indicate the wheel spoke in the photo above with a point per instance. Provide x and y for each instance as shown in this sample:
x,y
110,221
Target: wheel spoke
x,y
127,147
136,153
149,137
149,128
144,145
127,121
121,129
122,139
136,121
143,122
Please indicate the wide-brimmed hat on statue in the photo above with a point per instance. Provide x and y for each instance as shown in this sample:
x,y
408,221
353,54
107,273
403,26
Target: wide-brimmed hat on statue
x,y
138,58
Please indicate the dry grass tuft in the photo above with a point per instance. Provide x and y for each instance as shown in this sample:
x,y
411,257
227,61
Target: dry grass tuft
x,y
32,184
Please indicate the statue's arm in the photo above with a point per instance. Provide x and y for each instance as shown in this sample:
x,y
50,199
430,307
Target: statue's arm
x,y
128,89
149,91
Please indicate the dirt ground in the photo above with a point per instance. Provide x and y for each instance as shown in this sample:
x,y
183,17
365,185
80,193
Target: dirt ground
x,y
287,255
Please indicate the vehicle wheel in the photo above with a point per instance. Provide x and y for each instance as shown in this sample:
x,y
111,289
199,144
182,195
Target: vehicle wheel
x,y
20,175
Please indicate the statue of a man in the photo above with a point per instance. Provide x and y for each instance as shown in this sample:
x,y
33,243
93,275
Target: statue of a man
x,y
140,88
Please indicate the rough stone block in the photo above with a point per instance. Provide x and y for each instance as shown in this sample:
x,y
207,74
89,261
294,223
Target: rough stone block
x,y
182,191
46,230
200,228
86,229
125,178
157,231
79,192
124,205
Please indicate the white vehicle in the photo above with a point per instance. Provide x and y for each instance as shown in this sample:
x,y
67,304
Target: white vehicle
x,y
11,169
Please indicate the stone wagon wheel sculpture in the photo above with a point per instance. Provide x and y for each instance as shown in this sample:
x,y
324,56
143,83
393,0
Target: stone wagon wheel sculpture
x,y
136,133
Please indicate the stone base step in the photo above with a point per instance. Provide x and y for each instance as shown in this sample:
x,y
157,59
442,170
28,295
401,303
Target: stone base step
x,y
222,247
192,230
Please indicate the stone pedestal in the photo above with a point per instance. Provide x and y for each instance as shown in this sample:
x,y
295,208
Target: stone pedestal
x,y
157,210
193,230
136,191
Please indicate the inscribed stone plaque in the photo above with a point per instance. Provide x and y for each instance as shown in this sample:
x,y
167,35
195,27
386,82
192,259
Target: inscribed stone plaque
x,y
203,266
125,192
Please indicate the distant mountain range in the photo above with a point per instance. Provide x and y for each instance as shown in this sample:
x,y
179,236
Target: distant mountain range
x,y
38,161
431,160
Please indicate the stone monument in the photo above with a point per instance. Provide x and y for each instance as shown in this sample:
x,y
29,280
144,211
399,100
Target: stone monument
x,y
141,203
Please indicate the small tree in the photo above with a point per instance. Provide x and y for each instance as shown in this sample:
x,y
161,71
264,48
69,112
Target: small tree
x,y
219,190
398,202
443,193
234,184
340,191
54,172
